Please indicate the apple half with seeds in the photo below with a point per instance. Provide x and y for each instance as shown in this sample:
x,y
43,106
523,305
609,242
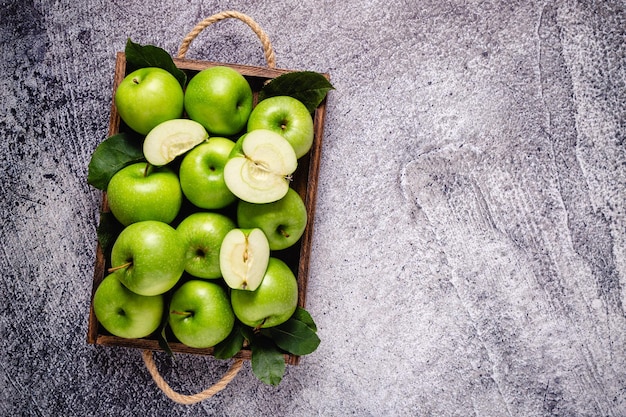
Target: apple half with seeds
x,y
244,256
260,167
172,138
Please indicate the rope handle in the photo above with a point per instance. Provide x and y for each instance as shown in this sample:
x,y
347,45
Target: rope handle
x,y
268,50
193,398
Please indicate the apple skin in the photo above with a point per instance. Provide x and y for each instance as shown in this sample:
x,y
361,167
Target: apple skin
x,y
147,97
220,99
150,257
202,234
282,221
200,314
287,116
201,174
141,192
273,302
126,314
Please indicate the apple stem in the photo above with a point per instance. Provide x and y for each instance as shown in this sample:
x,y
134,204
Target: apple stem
x,y
116,268
282,232
182,313
258,327
145,171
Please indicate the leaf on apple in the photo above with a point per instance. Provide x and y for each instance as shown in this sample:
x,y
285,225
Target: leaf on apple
x,y
305,317
268,362
142,56
307,86
162,334
247,333
295,337
110,156
230,346
108,230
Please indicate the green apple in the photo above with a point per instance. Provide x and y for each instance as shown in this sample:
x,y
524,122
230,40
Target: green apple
x,y
202,234
260,167
219,98
273,302
172,138
143,192
150,256
244,256
147,97
200,314
287,116
201,174
282,221
126,314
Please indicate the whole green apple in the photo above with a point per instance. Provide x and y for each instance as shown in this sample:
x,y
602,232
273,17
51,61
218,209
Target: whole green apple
x,y
150,257
147,97
273,302
200,314
287,116
220,99
282,221
126,314
202,234
201,174
143,192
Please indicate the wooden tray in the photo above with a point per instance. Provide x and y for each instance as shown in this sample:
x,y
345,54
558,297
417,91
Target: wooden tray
x,y
304,182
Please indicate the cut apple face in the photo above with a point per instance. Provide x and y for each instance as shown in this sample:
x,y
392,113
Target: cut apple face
x,y
172,138
260,167
244,256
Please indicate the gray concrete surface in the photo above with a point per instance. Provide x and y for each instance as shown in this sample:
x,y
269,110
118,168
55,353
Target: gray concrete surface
x,y
469,256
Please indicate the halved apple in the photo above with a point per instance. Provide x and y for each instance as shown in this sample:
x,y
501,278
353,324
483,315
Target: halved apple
x,y
172,138
260,167
244,256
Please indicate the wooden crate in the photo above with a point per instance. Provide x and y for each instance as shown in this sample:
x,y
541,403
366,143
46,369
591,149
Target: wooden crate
x,y
304,182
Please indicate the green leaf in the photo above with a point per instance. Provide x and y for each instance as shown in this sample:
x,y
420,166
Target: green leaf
x,y
142,56
108,230
302,315
307,86
162,331
295,337
247,333
231,345
110,156
268,363
161,336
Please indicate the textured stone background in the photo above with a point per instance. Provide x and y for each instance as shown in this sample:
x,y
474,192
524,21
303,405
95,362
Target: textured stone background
x,y
469,255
